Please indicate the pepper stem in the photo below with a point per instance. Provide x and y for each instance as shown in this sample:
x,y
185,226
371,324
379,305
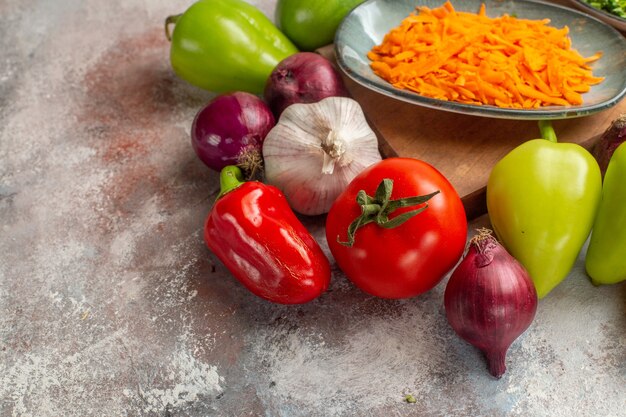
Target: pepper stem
x,y
231,177
378,208
547,131
170,20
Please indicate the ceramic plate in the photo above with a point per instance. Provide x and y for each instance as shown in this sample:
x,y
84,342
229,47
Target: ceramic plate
x,y
613,20
367,24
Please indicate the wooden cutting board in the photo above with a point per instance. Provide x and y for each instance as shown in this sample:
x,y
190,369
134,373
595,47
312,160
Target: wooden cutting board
x,y
463,148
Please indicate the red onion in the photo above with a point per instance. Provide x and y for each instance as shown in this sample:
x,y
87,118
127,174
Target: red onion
x,y
230,130
612,137
490,299
304,77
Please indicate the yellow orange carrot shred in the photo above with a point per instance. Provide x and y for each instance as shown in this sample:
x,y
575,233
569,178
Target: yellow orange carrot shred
x,y
472,58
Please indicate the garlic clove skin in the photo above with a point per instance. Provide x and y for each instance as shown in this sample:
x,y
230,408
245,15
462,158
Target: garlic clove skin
x,y
316,149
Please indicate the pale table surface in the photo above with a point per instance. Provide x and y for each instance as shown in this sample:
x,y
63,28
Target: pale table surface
x,y
108,302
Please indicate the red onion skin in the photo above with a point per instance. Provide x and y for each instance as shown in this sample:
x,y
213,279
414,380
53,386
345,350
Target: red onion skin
x,y
490,301
304,77
612,137
229,125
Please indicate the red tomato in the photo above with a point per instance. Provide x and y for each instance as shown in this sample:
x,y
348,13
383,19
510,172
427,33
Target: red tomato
x,y
413,257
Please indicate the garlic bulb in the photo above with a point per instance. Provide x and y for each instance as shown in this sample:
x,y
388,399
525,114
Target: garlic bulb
x,y
316,149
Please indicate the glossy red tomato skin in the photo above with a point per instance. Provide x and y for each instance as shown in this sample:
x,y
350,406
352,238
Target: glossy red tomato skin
x,y
412,258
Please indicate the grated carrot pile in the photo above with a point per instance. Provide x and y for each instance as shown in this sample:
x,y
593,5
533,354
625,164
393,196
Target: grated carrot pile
x,y
472,58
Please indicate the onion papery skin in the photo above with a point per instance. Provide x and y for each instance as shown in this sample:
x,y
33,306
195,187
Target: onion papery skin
x,y
490,301
612,137
229,126
304,77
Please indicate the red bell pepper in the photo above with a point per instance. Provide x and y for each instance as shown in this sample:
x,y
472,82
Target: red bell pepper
x,y
256,235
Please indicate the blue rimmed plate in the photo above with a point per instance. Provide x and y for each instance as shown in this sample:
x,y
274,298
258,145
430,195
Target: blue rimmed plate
x,y
367,24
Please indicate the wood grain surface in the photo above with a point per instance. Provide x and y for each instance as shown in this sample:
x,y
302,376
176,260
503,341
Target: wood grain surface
x,y
464,148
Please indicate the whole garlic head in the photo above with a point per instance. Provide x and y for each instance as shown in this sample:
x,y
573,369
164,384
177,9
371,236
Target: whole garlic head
x,y
316,149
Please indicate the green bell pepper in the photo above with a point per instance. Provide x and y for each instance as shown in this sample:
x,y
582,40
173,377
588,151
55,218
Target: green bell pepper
x,y
542,198
226,45
606,254
311,24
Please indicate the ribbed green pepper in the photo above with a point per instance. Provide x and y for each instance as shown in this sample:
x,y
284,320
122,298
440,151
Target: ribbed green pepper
x,y
542,199
606,255
226,45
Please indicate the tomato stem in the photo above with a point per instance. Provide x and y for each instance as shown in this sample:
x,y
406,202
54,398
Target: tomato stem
x,y
231,177
378,208
547,130
170,20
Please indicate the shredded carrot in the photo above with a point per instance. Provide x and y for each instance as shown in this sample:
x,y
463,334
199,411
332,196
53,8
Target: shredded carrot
x,y
472,58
